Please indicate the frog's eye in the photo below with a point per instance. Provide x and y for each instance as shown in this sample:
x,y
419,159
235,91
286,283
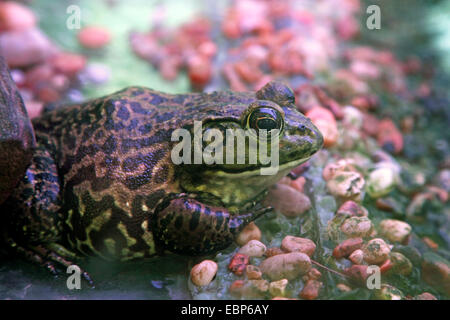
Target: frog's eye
x,y
265,119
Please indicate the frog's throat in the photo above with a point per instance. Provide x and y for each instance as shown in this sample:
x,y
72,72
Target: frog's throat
x,y
282,170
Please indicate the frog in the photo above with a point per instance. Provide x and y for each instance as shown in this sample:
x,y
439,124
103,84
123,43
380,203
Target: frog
x,y
101,180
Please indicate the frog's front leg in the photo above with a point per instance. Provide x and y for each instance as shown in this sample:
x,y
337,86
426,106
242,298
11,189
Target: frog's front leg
x,y
32,223
186,226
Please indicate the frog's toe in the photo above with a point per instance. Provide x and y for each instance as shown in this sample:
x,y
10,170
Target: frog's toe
x,y
47,258
53,257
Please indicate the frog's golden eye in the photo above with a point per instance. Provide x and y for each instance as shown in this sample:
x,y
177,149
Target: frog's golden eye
x,y
265,119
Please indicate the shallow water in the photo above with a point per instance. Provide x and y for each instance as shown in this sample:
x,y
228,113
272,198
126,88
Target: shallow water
x,y
160,278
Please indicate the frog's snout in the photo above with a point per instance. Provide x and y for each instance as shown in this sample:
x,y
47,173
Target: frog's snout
x,y
317,139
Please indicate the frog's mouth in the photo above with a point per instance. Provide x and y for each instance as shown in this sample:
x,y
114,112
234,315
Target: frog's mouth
x,y
282,170
235,189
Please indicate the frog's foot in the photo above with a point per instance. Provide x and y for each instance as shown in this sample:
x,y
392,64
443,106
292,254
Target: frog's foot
x,y
49,258
184,225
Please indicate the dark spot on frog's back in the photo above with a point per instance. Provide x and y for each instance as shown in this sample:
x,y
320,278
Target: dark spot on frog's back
x,y
160,118
146,128
110,145
149,160
137,108
157,99
133,125
130,164
123,113
158,137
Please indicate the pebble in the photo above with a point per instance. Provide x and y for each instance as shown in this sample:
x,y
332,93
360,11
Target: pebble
x,y
357,257
395,230
253,248
287,265
247,71
352,117
94,37
236,287
238,264
25,48
15,17
348,185
47,93
357,273
343,287
297,244
313,274
376,251
68,63
389,204
250,289
38,74
345,248
278,288
365,102
380,182
400,264
389,136
311,290
250,232
270,252
412,253
436,272
386,266
34,108
288,200
349,138
430,243
388,292
298,184
95,73
262,286
324,120
331,169
199,71
18,77
425,296
299,170
203,273
352,209
355,227
370,124
253,272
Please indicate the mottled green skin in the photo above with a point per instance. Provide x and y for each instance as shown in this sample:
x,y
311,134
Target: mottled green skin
x,y
102,181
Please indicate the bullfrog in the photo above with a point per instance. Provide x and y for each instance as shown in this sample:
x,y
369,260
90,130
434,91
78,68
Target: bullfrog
x,y
101,180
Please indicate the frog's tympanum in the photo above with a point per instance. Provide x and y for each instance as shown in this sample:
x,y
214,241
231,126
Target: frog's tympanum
x,y
101,180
